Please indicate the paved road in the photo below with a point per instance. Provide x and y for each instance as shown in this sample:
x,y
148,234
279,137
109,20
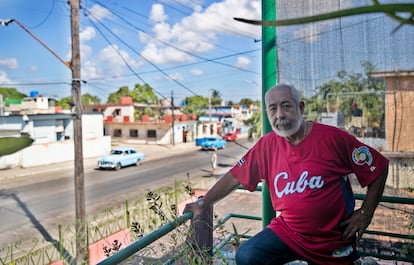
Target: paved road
x,y
34,200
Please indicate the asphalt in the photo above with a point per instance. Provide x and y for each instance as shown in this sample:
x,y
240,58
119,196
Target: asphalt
x,y
151,152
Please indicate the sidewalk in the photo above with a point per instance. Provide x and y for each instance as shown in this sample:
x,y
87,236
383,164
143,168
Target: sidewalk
x,y
151,152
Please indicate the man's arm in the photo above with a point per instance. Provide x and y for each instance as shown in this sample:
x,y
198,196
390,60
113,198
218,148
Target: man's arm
x,y
220,189
361,218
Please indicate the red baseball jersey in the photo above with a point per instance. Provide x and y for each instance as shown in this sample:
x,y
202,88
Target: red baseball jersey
x,y
309,187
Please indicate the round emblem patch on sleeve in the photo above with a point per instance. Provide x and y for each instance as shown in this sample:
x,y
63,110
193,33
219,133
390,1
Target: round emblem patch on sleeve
x,y
361,156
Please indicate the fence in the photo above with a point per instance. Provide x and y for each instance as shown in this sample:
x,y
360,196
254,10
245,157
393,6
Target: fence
x,y
381,244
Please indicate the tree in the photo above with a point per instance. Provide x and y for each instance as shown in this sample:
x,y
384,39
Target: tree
x,y
216,97
66,102
144,94
195,105
346,89
89,99
115,98
255,126
11,93
140,94
246,101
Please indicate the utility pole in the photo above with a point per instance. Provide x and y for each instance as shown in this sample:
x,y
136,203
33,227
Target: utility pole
x,y
81,247
79,175
172,117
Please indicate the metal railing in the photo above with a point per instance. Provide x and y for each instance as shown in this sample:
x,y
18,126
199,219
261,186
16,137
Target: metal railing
x,y
206,239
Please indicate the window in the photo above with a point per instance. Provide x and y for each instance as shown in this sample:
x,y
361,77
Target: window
x,y
133,133
152,134
117,133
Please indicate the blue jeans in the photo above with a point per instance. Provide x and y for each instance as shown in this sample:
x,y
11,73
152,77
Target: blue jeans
x,y
267,248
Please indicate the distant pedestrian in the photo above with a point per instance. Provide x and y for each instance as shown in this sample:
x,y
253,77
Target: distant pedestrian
x,y
214,161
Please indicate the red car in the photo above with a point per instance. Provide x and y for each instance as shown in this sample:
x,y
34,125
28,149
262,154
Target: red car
x,y
230,136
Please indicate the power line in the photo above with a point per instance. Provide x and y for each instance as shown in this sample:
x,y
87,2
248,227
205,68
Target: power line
x,y
145,59
36,84
47,16
122,57
173,46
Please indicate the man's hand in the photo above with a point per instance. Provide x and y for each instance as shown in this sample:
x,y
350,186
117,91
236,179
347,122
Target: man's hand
x,y
193,207
356,224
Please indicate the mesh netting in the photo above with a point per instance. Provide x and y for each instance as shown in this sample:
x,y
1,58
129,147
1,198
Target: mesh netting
x,y
364,60
312,54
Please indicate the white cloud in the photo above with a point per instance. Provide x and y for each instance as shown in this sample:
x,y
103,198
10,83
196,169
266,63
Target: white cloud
x,y
166,55
107,63
33,69
196,72
87,34
176,76
198,32
86,51
9,63
242,62
157,13
99,13
4,78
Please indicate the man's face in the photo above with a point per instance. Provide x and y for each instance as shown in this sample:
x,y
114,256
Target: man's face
x,y
285,115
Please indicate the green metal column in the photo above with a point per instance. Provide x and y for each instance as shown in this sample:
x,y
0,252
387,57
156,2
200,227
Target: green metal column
x,y
268,80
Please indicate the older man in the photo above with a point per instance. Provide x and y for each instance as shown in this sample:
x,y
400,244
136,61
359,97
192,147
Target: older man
x,y
305,166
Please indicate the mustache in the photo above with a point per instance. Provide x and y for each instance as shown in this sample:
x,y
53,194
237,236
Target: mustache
x,y
283,122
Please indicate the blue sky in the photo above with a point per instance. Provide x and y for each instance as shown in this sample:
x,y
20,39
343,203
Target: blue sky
x,y
184,46
189,47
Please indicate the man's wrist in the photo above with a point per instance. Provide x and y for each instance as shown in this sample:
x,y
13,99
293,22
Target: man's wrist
x,y
200,202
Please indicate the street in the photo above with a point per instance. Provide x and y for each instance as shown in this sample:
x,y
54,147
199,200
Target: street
x,y
34,206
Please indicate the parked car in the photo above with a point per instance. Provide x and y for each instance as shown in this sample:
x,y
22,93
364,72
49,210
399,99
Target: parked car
x,y
230,137
120,157
211,143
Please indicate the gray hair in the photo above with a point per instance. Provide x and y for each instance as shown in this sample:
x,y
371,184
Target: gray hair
x,y
293,91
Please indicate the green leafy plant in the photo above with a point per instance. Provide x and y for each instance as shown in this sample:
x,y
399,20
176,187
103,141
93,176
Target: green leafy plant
x,y
236,236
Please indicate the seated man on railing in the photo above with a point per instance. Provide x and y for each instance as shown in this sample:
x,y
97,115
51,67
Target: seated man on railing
x,y
304,165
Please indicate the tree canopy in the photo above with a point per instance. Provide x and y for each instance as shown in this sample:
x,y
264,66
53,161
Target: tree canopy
x,y
195,105
11,93
87,98
346,89
140,94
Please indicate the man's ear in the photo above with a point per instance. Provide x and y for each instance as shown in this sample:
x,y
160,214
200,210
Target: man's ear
x,y
302,107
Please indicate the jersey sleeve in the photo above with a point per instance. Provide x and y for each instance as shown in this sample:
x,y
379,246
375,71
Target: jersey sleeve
x,y
366,162
247,169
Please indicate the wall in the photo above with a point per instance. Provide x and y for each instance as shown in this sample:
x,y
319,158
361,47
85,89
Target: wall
x,y
49,153
46,150
399,119
401,170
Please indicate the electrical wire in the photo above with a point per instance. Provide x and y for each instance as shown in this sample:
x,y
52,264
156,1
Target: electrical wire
x,y
47,16
122,57
173,46
143,57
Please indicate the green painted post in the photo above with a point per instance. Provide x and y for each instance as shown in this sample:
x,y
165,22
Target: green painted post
x,y
268,80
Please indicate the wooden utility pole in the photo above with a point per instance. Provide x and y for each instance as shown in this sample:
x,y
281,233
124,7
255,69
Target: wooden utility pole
x,y
81,247
172,118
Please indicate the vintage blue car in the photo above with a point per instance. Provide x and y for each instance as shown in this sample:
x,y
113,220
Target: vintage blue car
x,y
120,157
211,143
